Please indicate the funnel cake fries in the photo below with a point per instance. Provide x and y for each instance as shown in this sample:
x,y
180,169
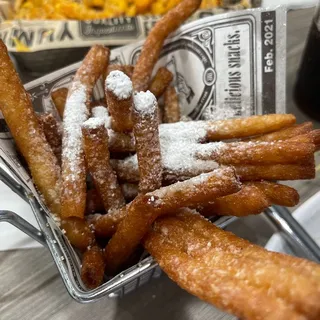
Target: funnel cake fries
x,y
146,133
146,208
153,44
118,141
232,273
92,269
59,98
253,198
95,142
160,82
118,88
76,111
52,132
171,110
22,121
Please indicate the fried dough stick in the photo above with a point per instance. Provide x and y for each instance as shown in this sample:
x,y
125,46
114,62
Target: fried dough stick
x,y
278,152
246,127
17,110
233,274
160,82
286,133
253,198
118,89
92,268
146,133
95,143
59,98
154,42
146,208
52,132
73,197
171,106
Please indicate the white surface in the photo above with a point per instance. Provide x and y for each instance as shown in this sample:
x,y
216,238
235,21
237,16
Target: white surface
x,y
10,236
308,214
292,4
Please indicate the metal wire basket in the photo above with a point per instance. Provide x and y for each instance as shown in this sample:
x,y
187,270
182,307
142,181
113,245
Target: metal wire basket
x,y
68,262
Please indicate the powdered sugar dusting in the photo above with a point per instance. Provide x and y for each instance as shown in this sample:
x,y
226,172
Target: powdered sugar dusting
x,y
145,102
119,84
93,123
75,113
102,113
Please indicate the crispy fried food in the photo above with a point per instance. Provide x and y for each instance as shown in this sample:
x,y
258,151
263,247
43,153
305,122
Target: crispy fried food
x,y
286,133
59,98
78,233
154,42
316,138
17,110
53,133
246,127
160,82
171,106
249,200
146,133
227,271
282,152
275,172
94,202
118,141
143,211
95,144
253,198
92,268
73,196
118,89
277,193
125,68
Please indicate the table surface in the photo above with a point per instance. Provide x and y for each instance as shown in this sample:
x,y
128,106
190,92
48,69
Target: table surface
x,y
31,288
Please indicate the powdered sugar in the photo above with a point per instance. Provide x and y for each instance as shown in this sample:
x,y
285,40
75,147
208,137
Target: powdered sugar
x,y
119,84
93,123
145,102
180,149
102,113
75,113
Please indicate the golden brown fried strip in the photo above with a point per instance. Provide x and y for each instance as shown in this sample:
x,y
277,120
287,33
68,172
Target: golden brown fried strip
x,y
73,196
246,127
249,200
286,133
118,90
95,144
145,209
160,82
59,98
22,121
146,133
282,152
171,106
153,44
121,142
92,268
183,251
278,193
275,172
78,233
52,132
128,172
